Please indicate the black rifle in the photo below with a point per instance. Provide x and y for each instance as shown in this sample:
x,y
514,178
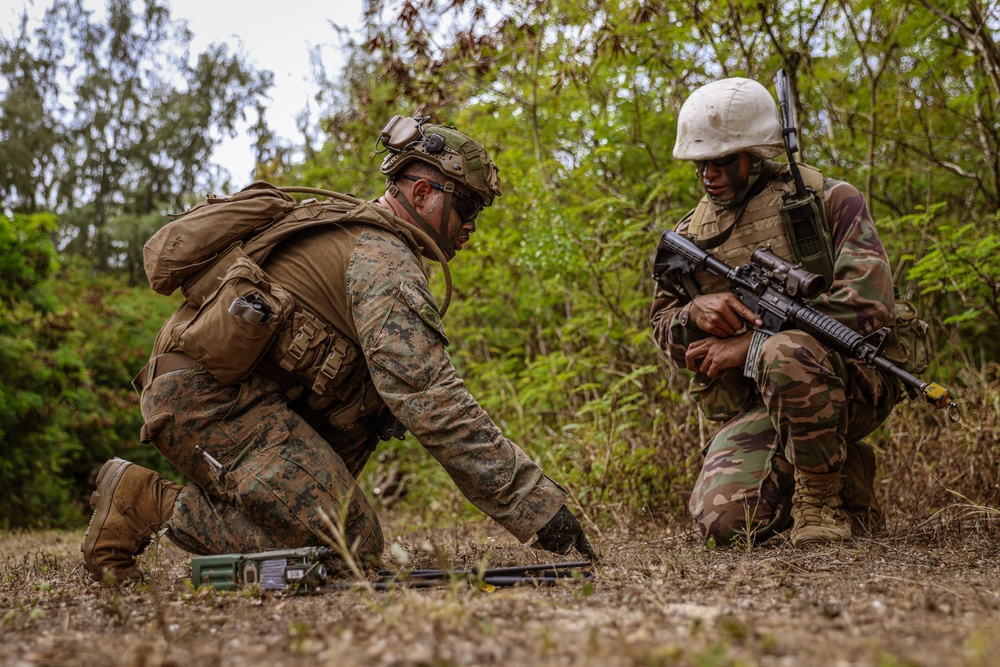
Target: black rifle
x,y
548,574
771,287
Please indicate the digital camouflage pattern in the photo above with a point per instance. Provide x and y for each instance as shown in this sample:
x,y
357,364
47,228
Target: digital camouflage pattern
x,y
806,403
404,342
277,470
284,462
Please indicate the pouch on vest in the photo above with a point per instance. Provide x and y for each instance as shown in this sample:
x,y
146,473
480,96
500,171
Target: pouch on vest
x,y
235,323
908,346
360,400
308,348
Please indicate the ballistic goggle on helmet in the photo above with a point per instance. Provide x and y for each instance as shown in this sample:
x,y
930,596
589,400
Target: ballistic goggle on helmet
x,y
454,154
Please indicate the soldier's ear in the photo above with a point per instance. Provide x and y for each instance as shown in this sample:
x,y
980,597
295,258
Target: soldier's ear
x,y
421,189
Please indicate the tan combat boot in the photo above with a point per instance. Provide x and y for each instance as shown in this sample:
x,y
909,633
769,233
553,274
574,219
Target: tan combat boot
x,y
817,514
130,504
858,489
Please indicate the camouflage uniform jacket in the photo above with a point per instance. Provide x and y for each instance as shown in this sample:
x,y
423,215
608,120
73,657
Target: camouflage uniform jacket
x,y
367,283
861,296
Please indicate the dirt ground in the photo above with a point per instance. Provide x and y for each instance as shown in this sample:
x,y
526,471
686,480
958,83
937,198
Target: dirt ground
x,y
923,596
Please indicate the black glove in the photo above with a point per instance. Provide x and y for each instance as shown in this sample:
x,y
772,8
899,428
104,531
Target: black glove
x,y
562,533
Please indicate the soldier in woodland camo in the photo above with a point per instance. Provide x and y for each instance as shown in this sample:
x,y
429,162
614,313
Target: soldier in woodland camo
x,y
269,455
789,452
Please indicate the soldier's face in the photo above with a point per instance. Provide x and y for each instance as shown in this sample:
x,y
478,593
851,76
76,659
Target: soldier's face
x,y
726,177
455,229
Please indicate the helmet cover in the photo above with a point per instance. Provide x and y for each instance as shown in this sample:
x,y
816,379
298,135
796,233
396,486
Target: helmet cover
x,y
454,154
726,117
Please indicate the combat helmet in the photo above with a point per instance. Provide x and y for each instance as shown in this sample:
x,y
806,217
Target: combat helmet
x,y
456,155
728,116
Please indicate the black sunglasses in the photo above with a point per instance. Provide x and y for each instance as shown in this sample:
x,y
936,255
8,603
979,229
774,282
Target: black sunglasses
x,y
466,206
718,162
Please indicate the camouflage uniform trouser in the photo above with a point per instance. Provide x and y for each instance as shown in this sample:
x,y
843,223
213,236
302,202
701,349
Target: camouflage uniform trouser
x,y
812,404
278,473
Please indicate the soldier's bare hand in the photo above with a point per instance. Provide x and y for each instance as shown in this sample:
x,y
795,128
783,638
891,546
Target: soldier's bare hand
x,y
721,314
712,356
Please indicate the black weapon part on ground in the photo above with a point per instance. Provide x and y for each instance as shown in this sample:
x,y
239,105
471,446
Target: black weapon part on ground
x,y
536,576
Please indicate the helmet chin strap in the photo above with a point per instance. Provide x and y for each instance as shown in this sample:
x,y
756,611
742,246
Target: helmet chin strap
x,y
446,246
449,189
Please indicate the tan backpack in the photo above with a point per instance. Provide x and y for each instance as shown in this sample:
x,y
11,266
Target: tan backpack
x,y
198,237
214,252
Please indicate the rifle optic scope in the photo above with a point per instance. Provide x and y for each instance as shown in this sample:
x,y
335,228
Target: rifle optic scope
x,y
793,278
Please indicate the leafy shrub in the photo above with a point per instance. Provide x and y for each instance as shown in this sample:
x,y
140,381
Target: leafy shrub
x,y
70,343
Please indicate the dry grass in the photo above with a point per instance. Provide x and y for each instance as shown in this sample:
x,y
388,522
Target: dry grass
x,y
936,475
661,598
927,592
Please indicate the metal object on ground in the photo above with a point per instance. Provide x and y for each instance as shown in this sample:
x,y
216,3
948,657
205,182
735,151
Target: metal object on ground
x,y
313,569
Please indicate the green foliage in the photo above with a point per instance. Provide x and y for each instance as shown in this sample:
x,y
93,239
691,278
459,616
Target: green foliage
x,y
952,268
964,261
69,345
108,122
577,103
27,258
39,366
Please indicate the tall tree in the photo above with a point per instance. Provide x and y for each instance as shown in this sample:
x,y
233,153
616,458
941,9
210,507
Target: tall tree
x,y
30,133
121,118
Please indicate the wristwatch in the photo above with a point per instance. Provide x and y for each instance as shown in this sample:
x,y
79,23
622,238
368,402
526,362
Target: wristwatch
x,y
684,315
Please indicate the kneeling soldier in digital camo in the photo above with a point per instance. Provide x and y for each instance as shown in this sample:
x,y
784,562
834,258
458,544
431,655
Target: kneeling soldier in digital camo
x,y
362,344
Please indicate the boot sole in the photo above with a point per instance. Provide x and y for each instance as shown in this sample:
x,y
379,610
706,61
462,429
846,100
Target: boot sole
x,y
110,474
819,540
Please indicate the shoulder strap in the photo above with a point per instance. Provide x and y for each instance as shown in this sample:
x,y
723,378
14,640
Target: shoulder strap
x,y
260,246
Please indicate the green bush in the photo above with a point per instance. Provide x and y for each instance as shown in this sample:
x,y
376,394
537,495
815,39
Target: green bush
x,y
70,343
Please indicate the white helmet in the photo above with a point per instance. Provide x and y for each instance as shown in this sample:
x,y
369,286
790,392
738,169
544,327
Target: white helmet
x,y
726,117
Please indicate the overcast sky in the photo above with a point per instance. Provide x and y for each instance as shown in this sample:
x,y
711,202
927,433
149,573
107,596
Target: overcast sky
x,y
278,36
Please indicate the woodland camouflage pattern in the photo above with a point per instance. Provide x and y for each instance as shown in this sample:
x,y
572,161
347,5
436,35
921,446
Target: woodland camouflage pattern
x,y
283,462
805,403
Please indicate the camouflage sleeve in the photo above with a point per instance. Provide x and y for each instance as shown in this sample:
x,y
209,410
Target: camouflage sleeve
x,y
671,330
861,296
404,341
668,332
